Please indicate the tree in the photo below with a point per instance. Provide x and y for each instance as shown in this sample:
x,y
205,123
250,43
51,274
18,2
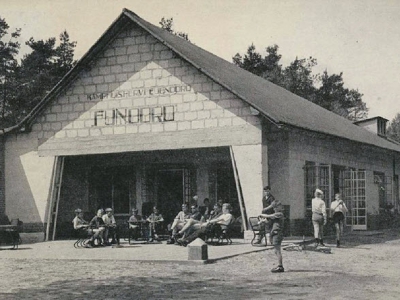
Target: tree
x,y
8,68
41,70
325,90
393,130
168,24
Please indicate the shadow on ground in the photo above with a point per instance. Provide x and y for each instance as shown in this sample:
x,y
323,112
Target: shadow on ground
x,y
184,286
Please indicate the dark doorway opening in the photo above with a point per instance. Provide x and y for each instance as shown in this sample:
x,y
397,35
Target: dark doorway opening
x,y
170,194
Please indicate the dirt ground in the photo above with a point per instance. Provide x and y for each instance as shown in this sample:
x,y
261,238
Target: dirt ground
x,y
366,267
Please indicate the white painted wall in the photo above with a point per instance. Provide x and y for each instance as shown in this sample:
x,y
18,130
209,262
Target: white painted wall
x,y
249,165
28,179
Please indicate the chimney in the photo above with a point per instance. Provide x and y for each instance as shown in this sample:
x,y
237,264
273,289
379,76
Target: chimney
x,y
376,125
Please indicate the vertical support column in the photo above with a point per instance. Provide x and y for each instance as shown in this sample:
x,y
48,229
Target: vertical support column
x,y
2,177
249,166
202,184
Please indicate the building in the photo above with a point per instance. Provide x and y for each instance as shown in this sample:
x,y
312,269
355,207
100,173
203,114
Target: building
x,y
146,118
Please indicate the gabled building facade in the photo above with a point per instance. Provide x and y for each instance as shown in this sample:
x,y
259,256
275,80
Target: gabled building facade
x,y
147,118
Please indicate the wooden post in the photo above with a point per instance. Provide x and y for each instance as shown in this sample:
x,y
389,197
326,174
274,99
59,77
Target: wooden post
x,y
239,191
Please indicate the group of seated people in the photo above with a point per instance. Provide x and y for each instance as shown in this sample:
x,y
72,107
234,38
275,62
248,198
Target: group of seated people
x,y
149,227
187,226
101,228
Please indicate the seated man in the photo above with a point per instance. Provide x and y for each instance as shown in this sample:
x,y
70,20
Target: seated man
x,y
193,224
78,222
195,214
135,224
111,228
155,222
223,219
179,221
98,227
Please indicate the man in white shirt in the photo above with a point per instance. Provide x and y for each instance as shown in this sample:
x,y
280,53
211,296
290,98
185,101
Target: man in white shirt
x,y
111,227
319,216
224,219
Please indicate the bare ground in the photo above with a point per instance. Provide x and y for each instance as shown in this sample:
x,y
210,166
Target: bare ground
x,y
367,267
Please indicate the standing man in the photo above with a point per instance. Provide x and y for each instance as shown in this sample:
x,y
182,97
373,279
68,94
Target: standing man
x,y
267,200
277,231
319,216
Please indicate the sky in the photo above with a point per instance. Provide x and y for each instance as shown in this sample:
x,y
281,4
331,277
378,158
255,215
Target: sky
x,y
360,38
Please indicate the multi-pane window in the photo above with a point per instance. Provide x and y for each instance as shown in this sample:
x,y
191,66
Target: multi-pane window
x,y
384,185
317,176
355,198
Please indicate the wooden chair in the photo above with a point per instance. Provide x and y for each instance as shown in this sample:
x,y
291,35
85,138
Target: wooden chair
x,y
9,232
258,230
220,233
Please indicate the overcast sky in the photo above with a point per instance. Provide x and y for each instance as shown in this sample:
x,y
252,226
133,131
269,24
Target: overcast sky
x,y
359,38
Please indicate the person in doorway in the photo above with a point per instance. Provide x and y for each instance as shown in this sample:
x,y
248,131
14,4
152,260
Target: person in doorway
x,y
111,228
319,216
180,220
266,225
220,202
339,209
155,221
206,208
194,201
98,227
276,231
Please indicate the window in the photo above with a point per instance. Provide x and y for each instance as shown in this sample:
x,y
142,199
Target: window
x,y
384,185
317,176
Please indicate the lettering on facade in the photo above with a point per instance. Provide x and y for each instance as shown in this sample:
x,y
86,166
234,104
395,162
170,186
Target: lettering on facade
x,y
123,116
141,92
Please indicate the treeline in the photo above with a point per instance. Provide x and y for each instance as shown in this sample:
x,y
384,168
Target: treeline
x,y
25,81
326,90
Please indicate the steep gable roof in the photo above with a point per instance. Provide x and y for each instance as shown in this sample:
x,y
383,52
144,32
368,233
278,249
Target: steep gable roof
x,y
275,103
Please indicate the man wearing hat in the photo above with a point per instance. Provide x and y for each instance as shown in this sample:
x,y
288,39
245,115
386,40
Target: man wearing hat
x,y
111,227
319,216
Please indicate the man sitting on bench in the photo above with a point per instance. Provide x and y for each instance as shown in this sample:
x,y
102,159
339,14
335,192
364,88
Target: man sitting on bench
x,y
80,224
98,227
180,220
200,227
111,228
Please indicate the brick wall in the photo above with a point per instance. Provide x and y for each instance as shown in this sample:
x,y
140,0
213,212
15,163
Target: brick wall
x,y
134,72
